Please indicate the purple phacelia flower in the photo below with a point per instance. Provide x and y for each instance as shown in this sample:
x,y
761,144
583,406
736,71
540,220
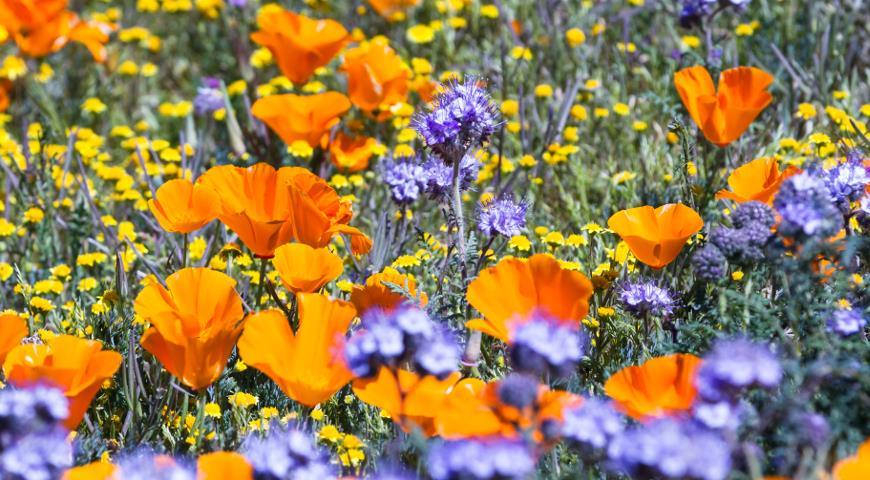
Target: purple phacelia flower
x,y
709,264
405,177
286,453
733,366
694,11
518,390
438,176
480,459
503,216
542,345
591,426
806,209
147,465
645,297
846,183
847,321
33,443
209,96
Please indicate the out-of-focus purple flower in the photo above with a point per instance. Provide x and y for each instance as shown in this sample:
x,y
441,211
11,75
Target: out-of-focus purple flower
x,y
285,453
503,216
405,177
694,11
31,409
846,183
671,448
542,345
518,390
209,97
239,3
709,264
33,444
806,209
863,212
37,456
812,428
645,297
480,459
461,119
733,366
439,176
718,415
751,213
147,465
592,425
438,356
847,321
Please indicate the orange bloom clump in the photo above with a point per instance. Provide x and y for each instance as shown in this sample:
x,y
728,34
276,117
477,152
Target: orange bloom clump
x,y
307,365
299,44
725,114
392,9
5,87
376,292
376,75
656,235
661,386
350,154
76,366
41,27
306,269
13,329
93,471
305,118
181,206
223,466
856,467
411,400
195,323
515,288
757,180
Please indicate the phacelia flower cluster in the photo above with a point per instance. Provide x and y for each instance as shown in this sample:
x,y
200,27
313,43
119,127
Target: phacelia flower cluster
x,y
147,465
847,182
733,366
592,426
544,346
286,453
502,216
742,244
406,334
438,177
408,178
209,97
847,321
33,444
645,297
806,208
481,459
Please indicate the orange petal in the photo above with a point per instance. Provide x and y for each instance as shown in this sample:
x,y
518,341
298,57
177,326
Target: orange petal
x,y
223,466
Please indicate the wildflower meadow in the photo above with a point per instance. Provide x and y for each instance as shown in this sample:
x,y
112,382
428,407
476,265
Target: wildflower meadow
x,y
435,239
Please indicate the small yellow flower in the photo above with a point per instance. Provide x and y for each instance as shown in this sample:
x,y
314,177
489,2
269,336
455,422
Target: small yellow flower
x,y
543,91
520,242
639,126
420,34
690,41
744,30
575,37
806,111
243,400
621,109
33,215
212,410
737,275
489,11
510,108
94,105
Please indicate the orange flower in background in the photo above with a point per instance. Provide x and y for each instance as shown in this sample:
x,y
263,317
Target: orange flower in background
x,y
76,366
351,154
305,118
661,386
41,27
656,235
392,9
306,269
376,75
856,467
300,45
92,471
223,466
376,292
13,329
725,114
195,323
515,288
757,180
5,88
308,365
182,206
411,400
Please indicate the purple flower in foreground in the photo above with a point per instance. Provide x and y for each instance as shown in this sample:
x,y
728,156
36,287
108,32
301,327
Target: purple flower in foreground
x,y
503,216
847,182
847,321
286,453
645,297
438,176
147,465
709,264
33,444
733,366
37,456
806,208
592,425
543,345
405,177
480,459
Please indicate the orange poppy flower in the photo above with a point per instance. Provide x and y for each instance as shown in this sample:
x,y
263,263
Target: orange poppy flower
x,y
41,27
656,235
856,467
306,269
223,466
5,87
757,180
725,114
13,329
308,365
375,292
350,154
391,8
412,401
195,322
302,117
75,365
661,386
182,206
92,471
300,45
515,288
376,75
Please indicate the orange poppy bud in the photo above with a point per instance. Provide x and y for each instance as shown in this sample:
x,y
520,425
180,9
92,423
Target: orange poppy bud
x,y
375,292
350,154
515,288
76,366
301,117
305,269
725,114
376,76
661,386
390,8
656,235
856,467
223,466
299,44
92,471
181,206
308,366
195,322
757,180
13,329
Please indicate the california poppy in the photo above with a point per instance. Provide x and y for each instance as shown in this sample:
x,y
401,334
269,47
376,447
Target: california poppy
x,y
757,180
376,292
300,45
195,322
306,269
41,27
76,366
390,8
223,466
92,471
305,118
183,206
661,386
307,365
351,154
13,329
5,87
856,467
376,75
725,114
656,235
515,288
411,401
